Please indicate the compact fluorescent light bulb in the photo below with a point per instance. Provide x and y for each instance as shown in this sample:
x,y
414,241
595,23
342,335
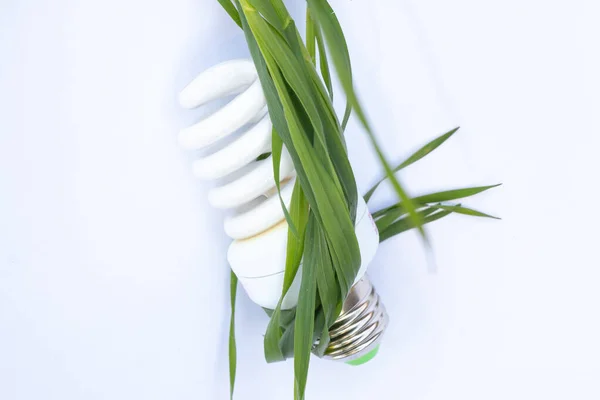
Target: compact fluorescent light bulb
x,y
257,225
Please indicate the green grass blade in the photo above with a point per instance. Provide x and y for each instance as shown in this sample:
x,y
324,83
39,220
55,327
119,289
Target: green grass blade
x,y
425,150
295,246
304,325
263,156
323,63
437,197
276,148
232,345
416,156
267,11
294,251
232,11
405,224
388,218
464,210
327,288
393,215
337,149
430,214
273,334
450,195
311,37
347,114
287,339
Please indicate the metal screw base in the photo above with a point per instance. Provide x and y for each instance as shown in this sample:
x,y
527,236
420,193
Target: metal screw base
x,y
360,326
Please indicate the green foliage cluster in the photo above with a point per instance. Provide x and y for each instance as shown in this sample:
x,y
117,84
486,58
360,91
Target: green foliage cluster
x,y
296,79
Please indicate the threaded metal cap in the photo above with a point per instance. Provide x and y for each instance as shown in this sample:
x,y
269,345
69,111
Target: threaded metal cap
x,y
358,330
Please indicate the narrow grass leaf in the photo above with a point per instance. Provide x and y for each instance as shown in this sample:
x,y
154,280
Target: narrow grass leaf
x,y
232,11
294,251
405,224
311,37
449,195
287,339
232,345
276,148
295,243
304,325
437,197
266,9
327,288
347,113
416,156
465,211
323,63
393,215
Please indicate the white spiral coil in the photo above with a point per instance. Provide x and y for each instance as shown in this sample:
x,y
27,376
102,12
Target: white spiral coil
x,y
231,139
249,179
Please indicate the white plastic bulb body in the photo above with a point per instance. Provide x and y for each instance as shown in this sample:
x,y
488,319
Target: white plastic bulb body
x,y
231,139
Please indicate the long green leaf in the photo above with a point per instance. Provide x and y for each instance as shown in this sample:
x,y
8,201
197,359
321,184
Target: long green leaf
x,y
232,11
430,214
390,217
323,63
416,156
276,148
449,195
295,246
270,14
287,340
232,345
294,251
464,210
305,311
327,287
347,114
311,37
425,150
437,197
405,224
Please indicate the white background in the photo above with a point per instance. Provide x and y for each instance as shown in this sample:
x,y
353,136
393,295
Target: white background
x,y
113,278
